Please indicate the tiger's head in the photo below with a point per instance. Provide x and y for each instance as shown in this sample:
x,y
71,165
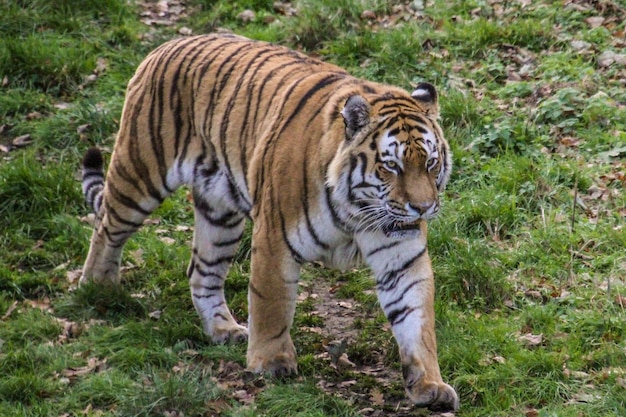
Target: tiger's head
x,y
393,163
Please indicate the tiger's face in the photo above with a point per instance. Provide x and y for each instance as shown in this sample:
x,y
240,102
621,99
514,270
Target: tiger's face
x,y
398,162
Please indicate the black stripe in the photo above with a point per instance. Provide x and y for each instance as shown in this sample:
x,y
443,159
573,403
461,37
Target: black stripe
x,y
91,190
352,185
91,173
135,154
194,47
247,124
280,334
115,215
215,262
390,279
294,253
203,295
191,268
113,243
97,202
419,119
212,287
380,128
229,242
368,89
126,200
220,80
260,177
156,112
228,219
134,181
236,194
401,296
244,76
282,80
383,247
398,316
320,84
394,131
209,60
337,221
305,205
205,274
395,102
255,291
204,169
328,79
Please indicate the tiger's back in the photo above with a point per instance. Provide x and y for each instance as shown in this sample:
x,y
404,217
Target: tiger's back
x,y
214,99
327,166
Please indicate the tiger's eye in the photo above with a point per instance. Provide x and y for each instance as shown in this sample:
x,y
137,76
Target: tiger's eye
x,y
391,165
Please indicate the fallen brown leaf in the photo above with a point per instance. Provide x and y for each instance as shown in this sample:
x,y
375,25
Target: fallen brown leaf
x,y
531,413
531,340
73,276
595,21
34,115
344,363
376,397
167,240
137,256
10,310
42,304
584,398
243,396
246,16
71,330
93,365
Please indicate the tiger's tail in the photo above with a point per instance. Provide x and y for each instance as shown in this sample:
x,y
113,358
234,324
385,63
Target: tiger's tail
x,y
93,178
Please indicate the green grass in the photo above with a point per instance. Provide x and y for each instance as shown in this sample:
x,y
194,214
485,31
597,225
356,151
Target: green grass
x,y
530,241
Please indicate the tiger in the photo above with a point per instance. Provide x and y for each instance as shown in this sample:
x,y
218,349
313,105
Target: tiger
x,y
328,168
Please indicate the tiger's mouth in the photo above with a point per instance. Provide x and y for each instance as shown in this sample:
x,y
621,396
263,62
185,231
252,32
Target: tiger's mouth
x,y
397,228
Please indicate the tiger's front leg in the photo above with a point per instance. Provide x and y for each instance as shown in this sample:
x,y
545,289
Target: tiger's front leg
x,y
405,288
272,296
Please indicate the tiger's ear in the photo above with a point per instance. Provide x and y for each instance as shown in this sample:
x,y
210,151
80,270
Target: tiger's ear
x,y
356,115
426,94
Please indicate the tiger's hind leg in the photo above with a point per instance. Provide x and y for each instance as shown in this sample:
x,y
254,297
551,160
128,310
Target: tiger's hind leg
x,y
120,206
218,230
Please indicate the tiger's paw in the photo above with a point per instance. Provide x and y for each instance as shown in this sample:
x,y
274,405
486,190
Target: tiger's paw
x,y
280,366
228,333
107,277
277,361
435,396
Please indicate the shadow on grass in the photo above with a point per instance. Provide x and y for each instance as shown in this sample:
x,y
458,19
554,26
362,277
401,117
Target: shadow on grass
x,y
100,301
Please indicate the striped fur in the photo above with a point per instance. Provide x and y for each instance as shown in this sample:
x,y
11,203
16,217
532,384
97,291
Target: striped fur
x,y
328,167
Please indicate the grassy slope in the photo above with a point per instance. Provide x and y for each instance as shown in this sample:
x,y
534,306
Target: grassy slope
x,y
530,243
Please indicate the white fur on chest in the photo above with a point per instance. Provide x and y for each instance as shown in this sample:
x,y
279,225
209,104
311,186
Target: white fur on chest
x,y
318,240
343,256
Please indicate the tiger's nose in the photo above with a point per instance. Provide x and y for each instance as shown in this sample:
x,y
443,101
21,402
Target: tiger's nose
x,y
428,208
